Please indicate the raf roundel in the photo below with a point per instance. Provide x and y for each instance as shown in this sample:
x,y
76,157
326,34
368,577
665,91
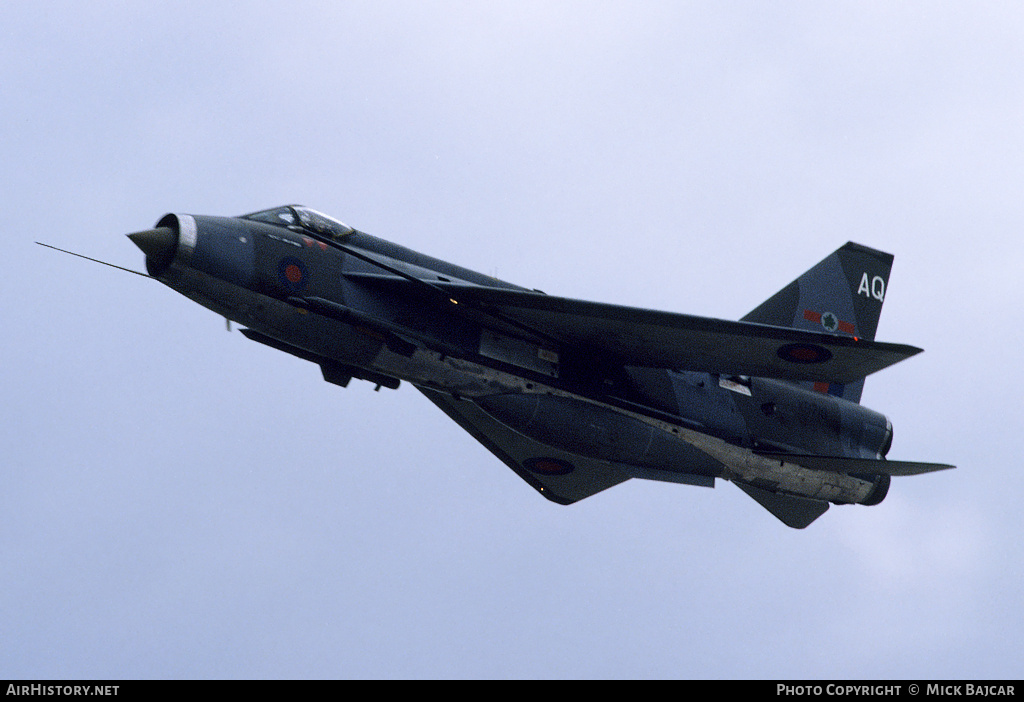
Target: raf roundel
x,y
292,274
804,353
548,466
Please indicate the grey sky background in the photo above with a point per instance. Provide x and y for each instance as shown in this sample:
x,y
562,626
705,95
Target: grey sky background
x,y
176,501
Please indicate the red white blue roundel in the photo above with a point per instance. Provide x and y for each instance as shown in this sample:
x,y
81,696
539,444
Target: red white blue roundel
x,y
804,353
292,274
548,466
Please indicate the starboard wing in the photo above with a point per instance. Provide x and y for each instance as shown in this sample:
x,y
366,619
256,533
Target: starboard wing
x,y
641,337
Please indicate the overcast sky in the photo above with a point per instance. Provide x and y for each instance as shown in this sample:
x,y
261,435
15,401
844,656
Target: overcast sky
x,y
179,502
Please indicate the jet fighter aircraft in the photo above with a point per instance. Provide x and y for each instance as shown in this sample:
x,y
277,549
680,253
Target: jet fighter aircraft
x,y
574,396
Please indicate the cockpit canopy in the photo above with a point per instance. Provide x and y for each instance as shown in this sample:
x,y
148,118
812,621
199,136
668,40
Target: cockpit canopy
x,y
299,218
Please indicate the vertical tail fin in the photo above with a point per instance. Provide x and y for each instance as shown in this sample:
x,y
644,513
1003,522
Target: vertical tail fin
x,y
841,295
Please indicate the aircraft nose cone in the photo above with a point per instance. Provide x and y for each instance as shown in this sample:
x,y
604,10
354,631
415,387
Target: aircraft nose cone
x,y
159,246
157,243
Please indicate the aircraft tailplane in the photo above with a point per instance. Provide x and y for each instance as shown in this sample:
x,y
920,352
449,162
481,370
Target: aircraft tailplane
x,y
791,510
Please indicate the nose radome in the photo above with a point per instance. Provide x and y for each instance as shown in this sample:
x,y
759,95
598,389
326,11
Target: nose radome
x,y
159,245
157,242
